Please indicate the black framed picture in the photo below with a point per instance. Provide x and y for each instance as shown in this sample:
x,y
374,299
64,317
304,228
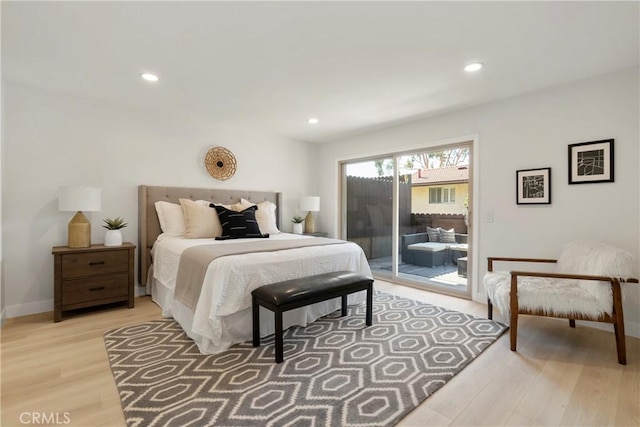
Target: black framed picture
x,y
591,162
533,186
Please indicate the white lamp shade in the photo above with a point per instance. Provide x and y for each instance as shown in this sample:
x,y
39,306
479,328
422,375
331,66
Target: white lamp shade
x,y
310,203
79,199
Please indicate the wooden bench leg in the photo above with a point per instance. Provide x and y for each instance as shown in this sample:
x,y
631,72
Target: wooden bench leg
x,y
344,305
279,341
489,309
369,315
572,323
256,322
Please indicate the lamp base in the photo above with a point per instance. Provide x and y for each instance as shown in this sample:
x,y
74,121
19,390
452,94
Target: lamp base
x,y
79,231
309,224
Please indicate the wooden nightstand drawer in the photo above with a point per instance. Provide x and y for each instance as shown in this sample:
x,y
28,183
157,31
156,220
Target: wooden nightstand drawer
x,y
94,289
92,263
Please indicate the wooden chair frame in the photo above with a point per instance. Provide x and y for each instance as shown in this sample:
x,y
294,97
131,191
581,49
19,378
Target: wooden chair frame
x,y
616,317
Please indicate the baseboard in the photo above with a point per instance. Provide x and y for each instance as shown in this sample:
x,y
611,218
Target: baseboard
x,y
631,329
44,306
3,317
29,308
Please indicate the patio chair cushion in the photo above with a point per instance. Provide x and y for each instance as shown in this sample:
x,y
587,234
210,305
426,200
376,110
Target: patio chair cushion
x,y
463,247
428,246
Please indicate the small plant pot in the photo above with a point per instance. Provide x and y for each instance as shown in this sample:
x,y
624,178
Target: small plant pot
x,y
297,228
113,238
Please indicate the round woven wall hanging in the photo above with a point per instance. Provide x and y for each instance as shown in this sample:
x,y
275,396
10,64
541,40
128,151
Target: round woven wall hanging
x,y
220,163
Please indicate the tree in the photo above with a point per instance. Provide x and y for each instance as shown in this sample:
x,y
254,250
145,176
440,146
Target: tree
x,y
417,161
425,160
446,158
384,167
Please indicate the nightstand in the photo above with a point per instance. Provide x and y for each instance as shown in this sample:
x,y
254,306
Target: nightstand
x,y
317,234
93,276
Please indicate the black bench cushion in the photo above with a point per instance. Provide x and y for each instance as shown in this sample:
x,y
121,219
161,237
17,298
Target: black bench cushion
x,y
291,291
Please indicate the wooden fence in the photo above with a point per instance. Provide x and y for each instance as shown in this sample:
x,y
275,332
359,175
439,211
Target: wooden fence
x,y
369,208
420,222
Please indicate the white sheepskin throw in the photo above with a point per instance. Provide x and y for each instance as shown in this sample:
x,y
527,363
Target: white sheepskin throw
x,y
566,297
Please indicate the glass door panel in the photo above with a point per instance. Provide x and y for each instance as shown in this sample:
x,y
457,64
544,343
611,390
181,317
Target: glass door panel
x,y
433,240
368,196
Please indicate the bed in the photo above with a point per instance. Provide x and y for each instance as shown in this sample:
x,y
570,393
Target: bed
x,y
221,315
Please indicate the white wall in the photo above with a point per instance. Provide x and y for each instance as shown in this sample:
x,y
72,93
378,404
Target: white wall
x,y
525,132
53,139
2,181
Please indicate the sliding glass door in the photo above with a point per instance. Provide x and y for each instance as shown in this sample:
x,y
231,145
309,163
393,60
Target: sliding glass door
x,y
408,211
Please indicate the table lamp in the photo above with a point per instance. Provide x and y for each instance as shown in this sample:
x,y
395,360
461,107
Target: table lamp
x,y
311,204
79,199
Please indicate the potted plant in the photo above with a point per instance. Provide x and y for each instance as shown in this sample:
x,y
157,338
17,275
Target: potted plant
x,y
113,236
297,224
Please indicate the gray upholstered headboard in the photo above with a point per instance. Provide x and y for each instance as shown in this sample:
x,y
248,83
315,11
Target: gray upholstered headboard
x,y
149,226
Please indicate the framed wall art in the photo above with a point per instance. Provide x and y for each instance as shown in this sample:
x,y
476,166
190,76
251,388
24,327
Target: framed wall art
x,y
591,162
533,186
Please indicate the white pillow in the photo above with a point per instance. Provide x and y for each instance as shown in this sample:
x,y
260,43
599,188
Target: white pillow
x,y
171,218
200,221
265,215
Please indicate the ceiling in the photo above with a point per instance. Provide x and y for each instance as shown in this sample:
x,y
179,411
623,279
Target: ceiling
x,y
356,66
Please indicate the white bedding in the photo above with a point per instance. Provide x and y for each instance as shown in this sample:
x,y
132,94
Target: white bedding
x,y
222,316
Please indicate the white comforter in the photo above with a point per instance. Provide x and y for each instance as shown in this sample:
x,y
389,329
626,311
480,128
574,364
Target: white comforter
x,y
222,316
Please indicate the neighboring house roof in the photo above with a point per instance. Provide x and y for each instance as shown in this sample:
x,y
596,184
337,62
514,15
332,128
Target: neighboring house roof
x,y
448,175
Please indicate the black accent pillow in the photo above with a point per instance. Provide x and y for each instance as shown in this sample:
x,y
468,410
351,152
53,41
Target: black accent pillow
x,y
236,225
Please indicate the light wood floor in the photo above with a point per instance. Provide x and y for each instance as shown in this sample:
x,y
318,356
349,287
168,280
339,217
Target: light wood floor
x,y
559,376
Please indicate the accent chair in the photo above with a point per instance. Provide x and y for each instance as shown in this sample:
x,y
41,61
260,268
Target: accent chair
x,y
584,286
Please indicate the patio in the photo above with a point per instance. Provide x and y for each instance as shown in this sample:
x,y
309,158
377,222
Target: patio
x,y
443,274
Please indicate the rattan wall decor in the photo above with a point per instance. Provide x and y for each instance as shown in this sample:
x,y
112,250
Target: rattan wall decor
x,y
220,163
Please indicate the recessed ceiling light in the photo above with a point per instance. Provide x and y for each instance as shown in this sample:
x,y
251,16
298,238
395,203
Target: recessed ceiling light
x,y
149,77
474,66
312,121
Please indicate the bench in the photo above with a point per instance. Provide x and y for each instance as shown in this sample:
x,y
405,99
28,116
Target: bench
x,y
284,296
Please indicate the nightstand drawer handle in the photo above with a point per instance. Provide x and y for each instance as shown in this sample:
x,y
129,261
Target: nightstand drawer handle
x,y
99,288
96,263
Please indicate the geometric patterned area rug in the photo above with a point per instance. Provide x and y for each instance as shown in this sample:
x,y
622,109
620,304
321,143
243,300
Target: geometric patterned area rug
x,y
336,371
